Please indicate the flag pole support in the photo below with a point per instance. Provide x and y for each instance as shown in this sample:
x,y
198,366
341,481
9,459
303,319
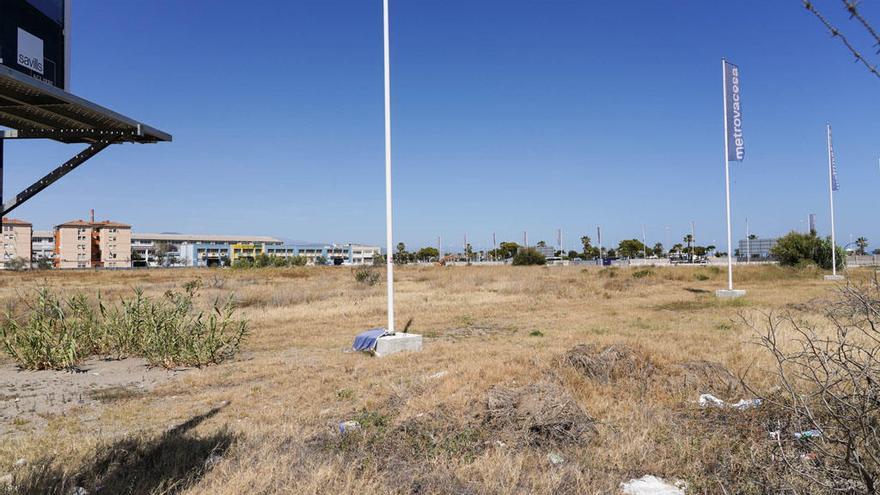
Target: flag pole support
x,y
730,292
385,341
834,276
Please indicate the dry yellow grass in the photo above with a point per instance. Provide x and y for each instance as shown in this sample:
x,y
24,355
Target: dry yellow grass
x,y
294,382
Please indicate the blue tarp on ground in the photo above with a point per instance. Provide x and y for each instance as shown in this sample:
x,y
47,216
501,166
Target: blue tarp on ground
x,y
366,341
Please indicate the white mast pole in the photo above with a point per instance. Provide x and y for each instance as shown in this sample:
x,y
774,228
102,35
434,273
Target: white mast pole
x,y
831,200
389,241
748,243
727,182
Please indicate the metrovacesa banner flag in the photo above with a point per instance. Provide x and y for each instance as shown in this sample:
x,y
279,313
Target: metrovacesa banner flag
x,y
735,145
835,186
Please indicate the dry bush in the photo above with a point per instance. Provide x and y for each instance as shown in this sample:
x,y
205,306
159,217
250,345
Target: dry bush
x,y
705,377
410,453
830,385
609,364
538,414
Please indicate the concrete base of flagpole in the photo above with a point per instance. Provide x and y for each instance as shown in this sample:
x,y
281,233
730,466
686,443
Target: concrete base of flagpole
x,y
834,278
399,342
729,293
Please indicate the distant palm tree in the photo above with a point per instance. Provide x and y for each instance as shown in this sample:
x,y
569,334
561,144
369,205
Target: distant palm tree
x,y
752,237
862,243
689,239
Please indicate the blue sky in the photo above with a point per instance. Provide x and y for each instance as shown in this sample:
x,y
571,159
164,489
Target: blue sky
x,y
507,116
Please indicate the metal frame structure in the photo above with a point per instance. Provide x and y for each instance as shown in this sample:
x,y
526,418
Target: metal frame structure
x,y
32,109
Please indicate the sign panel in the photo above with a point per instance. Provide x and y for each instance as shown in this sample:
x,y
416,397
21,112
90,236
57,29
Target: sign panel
x,y
30,51
34,39
736,149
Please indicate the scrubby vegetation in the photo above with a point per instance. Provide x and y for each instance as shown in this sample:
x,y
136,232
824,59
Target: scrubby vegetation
x,y
610,393
51,332
366,275
529,256
826,430
799,249
265,261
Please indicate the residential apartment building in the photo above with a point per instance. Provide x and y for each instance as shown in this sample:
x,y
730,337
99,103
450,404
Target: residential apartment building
x,y
16,242
114,244
42,245
89,244
82,244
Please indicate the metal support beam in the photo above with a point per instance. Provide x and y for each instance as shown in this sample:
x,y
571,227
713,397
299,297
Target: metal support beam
x,y
70,135
52,176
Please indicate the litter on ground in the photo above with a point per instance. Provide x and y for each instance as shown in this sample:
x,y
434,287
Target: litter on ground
x,y
709,400
652,485
806,435
349,426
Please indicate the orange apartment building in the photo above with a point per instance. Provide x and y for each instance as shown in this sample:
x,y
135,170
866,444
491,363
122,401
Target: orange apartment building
x,y
82,244
16,242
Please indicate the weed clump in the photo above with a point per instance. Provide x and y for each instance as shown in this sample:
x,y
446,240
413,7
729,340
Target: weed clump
x,y
706,377
609,364
366,275
52,333
538,414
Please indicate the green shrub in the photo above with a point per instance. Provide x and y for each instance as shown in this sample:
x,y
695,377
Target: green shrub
x,y
17,264
174,334
529,256
297,261
53,334
167,331
243,263
44,263
798,249
366,275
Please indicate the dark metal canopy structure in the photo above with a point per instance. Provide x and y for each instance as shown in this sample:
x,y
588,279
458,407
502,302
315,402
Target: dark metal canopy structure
x,y
31,109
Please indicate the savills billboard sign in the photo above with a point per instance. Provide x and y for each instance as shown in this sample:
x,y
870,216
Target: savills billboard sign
x,y
34,39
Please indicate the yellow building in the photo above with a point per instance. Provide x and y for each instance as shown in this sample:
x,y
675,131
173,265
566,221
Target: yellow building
x,y
245,251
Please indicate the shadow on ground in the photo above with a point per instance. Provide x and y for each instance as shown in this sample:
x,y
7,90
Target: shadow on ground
x,y
141,465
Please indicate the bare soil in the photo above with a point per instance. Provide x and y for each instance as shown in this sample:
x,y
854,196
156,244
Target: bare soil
x,y
28,397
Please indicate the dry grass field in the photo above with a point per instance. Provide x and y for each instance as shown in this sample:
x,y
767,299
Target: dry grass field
x,y
445,420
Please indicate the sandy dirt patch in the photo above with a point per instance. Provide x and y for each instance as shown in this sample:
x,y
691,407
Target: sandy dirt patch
x,y
28,397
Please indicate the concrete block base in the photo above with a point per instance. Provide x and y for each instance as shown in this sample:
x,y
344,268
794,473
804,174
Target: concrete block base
x,y
729,294
834,278
392,344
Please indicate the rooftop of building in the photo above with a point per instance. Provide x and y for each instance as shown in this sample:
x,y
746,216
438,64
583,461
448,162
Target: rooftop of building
x,y
16,221
98,225
208,238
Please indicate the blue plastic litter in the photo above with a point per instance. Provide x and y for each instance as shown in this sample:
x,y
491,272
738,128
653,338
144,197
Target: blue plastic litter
x,y
366,341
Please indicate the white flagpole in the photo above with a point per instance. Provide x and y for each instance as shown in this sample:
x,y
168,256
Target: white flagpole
x,y
831,200
727,182
748,243
389,242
